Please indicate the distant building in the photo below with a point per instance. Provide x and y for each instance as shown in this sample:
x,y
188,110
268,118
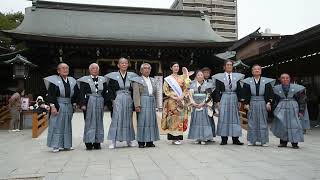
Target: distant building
x,y
296,54
255,44
80,34
222,14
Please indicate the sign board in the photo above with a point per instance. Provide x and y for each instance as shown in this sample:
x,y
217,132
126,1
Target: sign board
x,y
24,103
159,80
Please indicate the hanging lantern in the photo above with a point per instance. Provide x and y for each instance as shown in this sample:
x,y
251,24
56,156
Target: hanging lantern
x,y
159,68
159,54
98,52
136,65
60,55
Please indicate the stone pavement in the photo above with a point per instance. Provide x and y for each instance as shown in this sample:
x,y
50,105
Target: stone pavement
x,y
22,157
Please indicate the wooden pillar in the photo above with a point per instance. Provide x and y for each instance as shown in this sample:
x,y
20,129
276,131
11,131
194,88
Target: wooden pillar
x,y
20,83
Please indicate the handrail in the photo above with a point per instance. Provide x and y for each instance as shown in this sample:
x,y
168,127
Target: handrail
x,y
39,124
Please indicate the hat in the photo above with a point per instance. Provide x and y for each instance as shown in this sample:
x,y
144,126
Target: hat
x,y
39,98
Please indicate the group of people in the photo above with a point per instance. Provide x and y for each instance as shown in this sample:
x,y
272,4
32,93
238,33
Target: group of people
x,y
15,109
92,93
124,92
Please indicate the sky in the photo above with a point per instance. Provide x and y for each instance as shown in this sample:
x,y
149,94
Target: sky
x,y
281,16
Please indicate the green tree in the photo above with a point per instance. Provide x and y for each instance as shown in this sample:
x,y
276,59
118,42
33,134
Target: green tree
x,y
9,21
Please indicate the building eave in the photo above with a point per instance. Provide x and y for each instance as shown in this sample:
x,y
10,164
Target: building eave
x,y
108,42
90,24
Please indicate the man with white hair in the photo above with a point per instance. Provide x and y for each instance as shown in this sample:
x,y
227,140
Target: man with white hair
x,y
92,94
62,92
144,98
119,93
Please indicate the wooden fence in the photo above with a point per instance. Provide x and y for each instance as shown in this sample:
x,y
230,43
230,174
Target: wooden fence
x,y
5,117
39,124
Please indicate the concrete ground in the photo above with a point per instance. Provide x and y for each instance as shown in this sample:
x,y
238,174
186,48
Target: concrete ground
x,y
22,157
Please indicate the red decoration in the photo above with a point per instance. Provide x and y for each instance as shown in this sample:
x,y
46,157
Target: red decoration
x,y
185,125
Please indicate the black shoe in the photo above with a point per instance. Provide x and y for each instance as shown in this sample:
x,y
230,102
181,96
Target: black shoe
x,y
210,141
150,145
238,143
282,145
141,146
89,146
96,146
223,143
295,147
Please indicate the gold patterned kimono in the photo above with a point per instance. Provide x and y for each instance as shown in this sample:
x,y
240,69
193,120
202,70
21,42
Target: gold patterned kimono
x,y
175,114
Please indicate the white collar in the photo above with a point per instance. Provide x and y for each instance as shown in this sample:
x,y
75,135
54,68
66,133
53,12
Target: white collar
x,y
227,74
198,83
65,80
149,84
123,75
256,80
93,76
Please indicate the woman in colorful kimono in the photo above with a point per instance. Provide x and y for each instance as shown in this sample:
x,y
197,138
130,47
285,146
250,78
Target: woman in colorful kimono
x,y
258,95
119,93
290,100
200,125
227,95
175,110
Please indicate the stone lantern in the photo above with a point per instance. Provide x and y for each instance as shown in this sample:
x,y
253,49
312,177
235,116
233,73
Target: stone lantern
x,y
21,67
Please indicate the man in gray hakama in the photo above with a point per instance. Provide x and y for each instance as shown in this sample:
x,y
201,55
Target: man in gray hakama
x,y
119,94
62,92
200,125
144,98
92,94
258,95
228,95
290,102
